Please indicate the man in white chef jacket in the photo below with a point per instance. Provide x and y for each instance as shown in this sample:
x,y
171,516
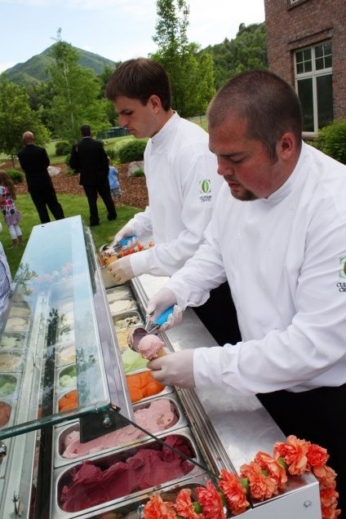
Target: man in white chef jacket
x,y
278,235
182,186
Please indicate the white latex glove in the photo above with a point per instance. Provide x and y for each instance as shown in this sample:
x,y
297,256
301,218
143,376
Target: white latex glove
x,y
175,369
121,270
123,233
174,319
157,304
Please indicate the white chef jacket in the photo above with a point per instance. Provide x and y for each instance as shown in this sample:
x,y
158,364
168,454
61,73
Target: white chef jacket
x,y
285,260
182,181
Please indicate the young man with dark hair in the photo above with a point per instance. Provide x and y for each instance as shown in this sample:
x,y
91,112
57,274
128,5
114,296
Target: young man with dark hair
x,y
182,185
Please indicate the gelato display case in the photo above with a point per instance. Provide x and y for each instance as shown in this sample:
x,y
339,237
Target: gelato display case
x,y
85,430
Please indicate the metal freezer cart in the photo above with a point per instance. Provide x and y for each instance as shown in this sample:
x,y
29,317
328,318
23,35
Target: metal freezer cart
x,y
69,407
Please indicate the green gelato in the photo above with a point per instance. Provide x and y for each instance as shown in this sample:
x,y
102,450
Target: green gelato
x,y
132,360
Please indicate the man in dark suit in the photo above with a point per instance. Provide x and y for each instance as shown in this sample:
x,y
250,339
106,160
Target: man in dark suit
x,y
89,159
34,162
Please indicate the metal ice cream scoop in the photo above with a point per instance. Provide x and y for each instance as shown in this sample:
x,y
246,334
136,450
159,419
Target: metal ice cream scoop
x,y
124,242
150,327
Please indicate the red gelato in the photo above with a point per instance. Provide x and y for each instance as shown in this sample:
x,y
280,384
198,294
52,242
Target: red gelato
x,y
93,483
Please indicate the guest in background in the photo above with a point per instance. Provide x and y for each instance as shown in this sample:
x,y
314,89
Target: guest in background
x,y
34,161
113,180
9,209
89,158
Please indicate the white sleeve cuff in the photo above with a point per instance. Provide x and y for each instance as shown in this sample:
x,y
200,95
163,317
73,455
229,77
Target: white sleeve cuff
x,y
213,368
140,261
207,367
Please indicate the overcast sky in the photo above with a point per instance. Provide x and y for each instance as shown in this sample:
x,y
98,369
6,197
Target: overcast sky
x,y
114,29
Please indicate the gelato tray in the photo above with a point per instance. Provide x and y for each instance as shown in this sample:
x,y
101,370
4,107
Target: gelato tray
x,y
67,377
66,336
9,385
157,416
15,341
10,362
67,401
65,355
65,393
5,412
126,320
9,390
19,310
125,474
132,361
120,292
142,385
132,508
122,305
16,324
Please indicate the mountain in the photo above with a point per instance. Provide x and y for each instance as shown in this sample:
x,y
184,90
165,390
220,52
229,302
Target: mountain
x,y
34,70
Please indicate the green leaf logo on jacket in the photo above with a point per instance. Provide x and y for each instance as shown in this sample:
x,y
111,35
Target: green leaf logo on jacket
x,y
205,186
342,271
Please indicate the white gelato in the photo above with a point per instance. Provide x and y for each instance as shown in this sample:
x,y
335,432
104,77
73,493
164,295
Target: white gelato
x,y
122,305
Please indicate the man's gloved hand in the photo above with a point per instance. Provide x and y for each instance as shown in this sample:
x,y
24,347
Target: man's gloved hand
x,y
123,233
157,304
121,270
175,369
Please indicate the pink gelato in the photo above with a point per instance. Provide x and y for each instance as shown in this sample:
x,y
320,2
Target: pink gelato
x,y
158,416
100,481
151,346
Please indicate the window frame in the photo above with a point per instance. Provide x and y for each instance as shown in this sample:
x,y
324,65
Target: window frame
x,y
313,74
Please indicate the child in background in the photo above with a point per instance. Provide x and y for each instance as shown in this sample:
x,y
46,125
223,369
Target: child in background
x,y
9,209
113,181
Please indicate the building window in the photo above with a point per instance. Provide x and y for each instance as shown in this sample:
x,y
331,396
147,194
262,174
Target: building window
x,y
314,85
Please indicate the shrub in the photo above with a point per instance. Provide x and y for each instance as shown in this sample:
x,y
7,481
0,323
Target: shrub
x,y
112,154
62,148
332,140
132,151
16,176
69,170
139,173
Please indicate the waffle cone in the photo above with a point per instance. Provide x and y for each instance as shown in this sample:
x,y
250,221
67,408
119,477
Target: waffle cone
x,y
161,353
111,259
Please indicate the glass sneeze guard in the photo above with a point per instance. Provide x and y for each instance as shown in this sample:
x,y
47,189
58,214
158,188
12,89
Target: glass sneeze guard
x,y
56,343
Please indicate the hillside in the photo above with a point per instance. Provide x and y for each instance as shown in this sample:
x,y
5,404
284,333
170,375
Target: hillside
x,y
34,70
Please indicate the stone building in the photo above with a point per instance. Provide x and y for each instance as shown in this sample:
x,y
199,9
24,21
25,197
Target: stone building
x,y
306,43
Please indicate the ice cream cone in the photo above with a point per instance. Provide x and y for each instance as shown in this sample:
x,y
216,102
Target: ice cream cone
x,y
151,347
160,353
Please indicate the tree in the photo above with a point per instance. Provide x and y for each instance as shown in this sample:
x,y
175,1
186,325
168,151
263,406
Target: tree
x,y
77,94
16,117
191,75
40,99
104,77
245,52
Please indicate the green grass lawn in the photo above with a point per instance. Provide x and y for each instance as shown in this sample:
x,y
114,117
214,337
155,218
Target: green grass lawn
x,y
73,205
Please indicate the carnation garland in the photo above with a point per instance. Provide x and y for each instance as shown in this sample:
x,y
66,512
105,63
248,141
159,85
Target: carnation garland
x,y
261,479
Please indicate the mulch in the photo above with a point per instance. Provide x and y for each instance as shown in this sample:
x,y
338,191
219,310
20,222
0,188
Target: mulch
x,y
133,189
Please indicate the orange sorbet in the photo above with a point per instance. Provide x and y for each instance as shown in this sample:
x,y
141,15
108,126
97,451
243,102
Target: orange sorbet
x,y
68,401
142,385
